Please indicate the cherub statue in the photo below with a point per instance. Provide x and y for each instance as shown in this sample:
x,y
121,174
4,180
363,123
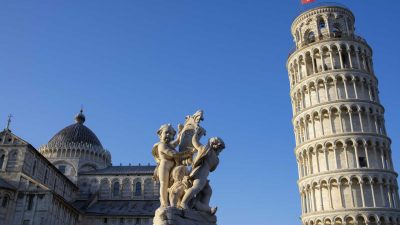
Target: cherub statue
x,y
177,190
206,161
166,157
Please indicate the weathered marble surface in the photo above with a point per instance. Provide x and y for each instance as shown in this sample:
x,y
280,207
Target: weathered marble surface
x,y
175,216
185,191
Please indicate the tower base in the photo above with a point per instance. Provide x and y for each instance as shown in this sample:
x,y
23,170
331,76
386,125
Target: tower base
x,y
175,216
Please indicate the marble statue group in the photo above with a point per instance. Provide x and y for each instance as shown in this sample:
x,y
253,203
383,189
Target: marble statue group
x,y
183,166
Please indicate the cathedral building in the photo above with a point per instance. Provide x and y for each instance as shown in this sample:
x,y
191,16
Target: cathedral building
x,y
71,181
346,174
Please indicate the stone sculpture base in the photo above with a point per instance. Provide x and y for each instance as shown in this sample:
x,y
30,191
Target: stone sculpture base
x,y
175,216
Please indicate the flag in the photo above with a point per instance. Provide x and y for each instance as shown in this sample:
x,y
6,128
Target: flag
x,y
306,1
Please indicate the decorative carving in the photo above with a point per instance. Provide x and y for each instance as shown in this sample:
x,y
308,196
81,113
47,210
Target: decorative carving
x,y
183,174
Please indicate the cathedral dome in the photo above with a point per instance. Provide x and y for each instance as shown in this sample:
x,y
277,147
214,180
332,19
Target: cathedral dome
x,y
76,133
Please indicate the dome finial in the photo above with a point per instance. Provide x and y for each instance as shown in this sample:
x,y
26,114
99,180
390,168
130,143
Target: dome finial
x,y
80,118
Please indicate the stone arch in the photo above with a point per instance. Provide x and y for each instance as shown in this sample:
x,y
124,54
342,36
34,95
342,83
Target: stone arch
x,y
338,221
12,160
373,219
148,188
94,185
105,188
3,159
87,167
335,57
327,63
137,187
346,193
356,191
126,190
70,169
309,36
116,187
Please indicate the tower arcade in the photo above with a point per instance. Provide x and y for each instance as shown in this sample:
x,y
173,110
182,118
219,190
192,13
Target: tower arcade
x,y
346,173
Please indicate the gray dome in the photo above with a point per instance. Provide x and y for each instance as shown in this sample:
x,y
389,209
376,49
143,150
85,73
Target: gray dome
x,y
76,133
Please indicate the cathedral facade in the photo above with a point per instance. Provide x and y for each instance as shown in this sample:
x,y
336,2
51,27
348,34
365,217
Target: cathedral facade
x,y
346,174
71,181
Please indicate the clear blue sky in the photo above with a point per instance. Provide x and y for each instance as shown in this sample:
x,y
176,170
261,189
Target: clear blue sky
x,y
137,64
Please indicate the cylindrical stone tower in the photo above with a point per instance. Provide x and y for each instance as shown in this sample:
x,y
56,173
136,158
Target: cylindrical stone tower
x,y
346,174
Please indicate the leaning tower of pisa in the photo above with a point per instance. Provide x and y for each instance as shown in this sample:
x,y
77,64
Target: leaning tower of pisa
x,y
346,173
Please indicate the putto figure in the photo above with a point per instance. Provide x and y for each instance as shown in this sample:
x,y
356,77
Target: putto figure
x,y
205,162
183,173
166,157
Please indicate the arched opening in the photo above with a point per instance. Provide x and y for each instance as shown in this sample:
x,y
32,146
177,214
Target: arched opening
x,y
351,155
377,193
346,194
335,194
116,187
309,37
360,220
341,91
356,192
105,188
2,158
148,188
126,191
345,119
12,160
317,199
325,195
345,56
302,68
309,64
354,57
336,126
321,159
341,156
335,57
297,36
336,30
338,221
310,128
326,123
355,118
331,89
138,189
314,160
372,220
94,186
326,59
313,94
367,192
349,221
385,190
321,91
382,221
317,61
5,201
321,24
331,157
351,92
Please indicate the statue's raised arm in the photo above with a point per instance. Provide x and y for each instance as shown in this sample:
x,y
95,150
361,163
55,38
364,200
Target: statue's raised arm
x,y
196,140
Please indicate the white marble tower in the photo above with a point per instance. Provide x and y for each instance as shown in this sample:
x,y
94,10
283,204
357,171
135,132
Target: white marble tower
x,y
346,174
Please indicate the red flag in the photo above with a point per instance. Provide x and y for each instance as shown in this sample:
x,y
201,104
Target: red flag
x,y
306,1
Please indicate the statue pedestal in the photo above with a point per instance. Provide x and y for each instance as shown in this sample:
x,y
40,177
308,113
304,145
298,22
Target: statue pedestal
x,y
175,216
